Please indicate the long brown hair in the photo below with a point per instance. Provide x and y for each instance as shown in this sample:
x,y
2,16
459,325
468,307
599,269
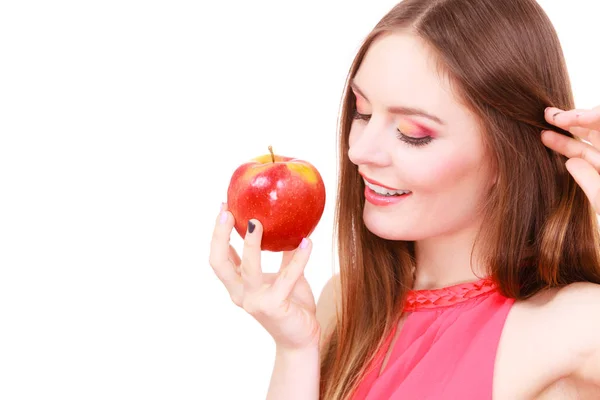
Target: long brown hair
x,y
506,65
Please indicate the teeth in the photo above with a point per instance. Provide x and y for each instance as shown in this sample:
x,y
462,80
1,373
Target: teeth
x,y
384,191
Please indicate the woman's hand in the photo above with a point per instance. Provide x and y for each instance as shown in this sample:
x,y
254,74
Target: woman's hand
x,y
584,158
282,303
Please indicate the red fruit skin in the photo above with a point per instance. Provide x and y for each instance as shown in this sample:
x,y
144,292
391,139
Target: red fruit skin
x,y
287,196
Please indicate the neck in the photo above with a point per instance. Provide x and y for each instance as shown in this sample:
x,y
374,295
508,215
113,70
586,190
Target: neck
x,y
445,260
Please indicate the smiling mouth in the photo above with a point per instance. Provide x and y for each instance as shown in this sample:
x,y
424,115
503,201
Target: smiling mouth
x,y
380,190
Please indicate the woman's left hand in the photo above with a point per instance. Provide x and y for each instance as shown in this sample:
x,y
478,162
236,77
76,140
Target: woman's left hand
x,y
584,158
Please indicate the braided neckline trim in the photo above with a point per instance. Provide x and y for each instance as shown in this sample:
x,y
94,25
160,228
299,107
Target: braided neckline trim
x,y
448,296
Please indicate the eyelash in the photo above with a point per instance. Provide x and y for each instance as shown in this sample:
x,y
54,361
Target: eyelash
x,y
406,139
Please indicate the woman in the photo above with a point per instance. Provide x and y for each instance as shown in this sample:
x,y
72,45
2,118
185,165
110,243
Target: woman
x,y
466,221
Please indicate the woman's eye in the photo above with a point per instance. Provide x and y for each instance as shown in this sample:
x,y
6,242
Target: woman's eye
x,y
412,141
408,127
364,117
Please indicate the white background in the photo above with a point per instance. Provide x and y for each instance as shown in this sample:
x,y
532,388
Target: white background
x,y
120,125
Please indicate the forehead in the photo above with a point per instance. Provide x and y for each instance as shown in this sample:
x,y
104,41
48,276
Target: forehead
x,y
399,69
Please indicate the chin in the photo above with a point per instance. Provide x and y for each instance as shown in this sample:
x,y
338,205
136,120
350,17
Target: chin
x,y
385,227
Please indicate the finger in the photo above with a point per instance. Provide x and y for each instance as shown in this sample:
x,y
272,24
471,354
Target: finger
x,y
593,137
219,253
235,258
587,177
250,267
289,275
286,258
550,113
233,255
572,148
590,119
583,133
580,132
561,118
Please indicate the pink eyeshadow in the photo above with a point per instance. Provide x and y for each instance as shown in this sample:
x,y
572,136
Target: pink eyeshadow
x,y
412,128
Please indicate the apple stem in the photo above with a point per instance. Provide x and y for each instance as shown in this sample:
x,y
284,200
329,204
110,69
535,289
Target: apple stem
x,y
272,155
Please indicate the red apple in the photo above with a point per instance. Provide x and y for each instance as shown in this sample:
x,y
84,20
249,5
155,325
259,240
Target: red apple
x,y
285,194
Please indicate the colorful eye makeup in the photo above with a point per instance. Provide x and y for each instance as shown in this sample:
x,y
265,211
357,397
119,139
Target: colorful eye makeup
x,y
407,130
412,133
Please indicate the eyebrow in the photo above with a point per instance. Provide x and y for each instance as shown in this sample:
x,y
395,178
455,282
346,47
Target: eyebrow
x,y
401,110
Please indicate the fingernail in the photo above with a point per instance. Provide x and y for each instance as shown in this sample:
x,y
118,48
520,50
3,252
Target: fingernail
x,y
222,206
304,243
251,226
546,109
223,218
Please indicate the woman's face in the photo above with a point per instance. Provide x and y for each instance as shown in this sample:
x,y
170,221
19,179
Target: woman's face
x,y
410,133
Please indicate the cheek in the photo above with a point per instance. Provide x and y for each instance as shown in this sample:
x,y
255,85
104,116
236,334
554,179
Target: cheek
x,y
440,172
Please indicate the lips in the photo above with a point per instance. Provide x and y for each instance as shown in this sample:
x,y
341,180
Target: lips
x,y
381,200
384,191
374,182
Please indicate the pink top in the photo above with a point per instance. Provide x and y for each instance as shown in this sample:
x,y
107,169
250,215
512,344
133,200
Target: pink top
x,y
446,348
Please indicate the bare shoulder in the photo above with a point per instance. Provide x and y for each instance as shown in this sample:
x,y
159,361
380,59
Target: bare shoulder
x,y
549,337
569,315
328,304
572,307
545,340
574,311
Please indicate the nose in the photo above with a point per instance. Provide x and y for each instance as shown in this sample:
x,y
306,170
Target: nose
x,y
368,145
